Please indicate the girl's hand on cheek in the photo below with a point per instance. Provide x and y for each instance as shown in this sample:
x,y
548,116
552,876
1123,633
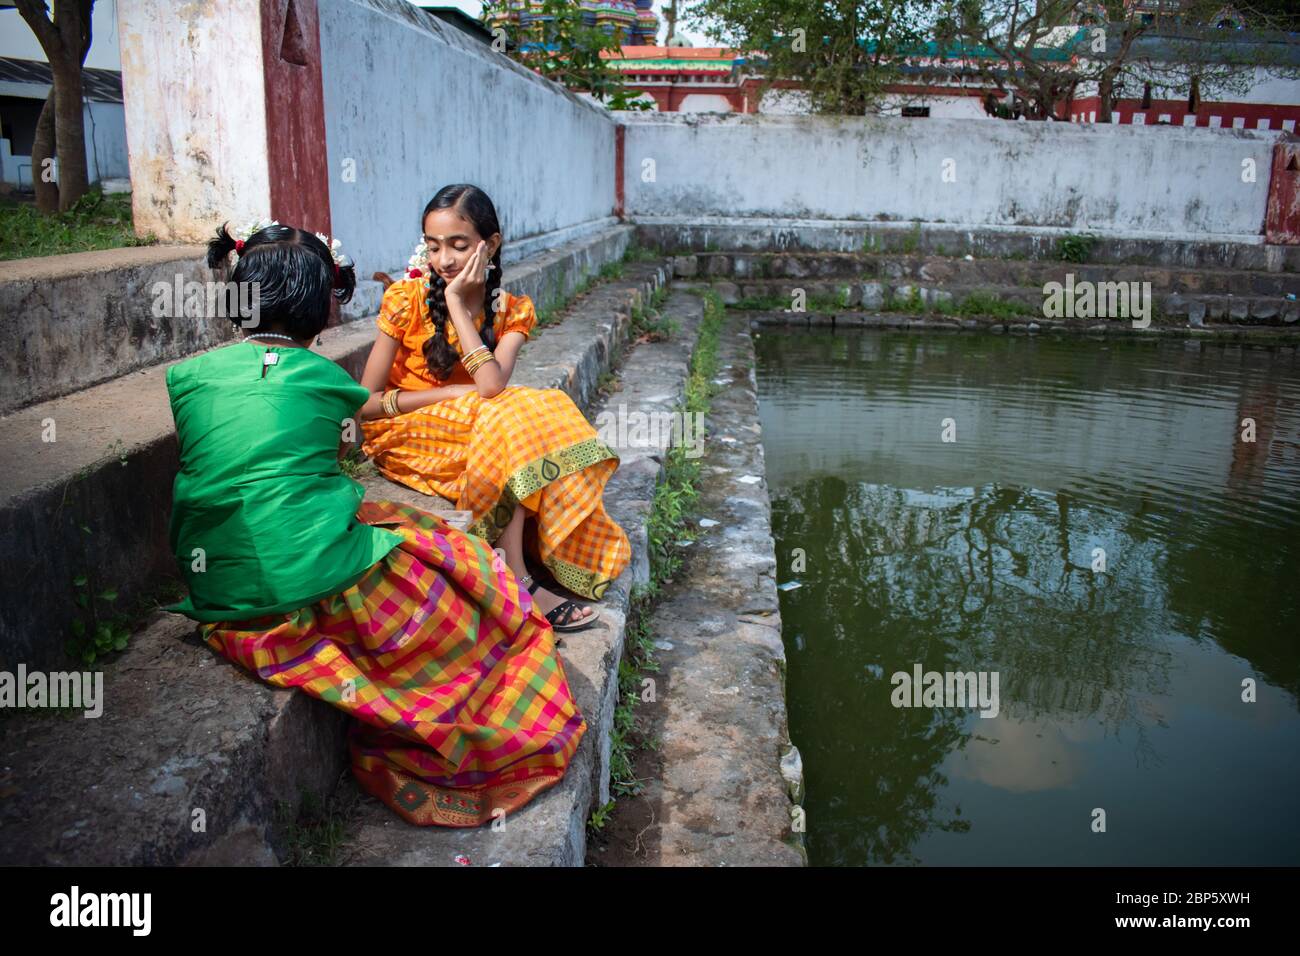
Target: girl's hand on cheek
x,y
468,283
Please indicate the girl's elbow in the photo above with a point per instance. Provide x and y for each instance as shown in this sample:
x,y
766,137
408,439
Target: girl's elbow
x,y
491,389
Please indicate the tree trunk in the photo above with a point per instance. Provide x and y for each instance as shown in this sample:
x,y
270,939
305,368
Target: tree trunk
x,y
1105,97
64,31
69,133
47,191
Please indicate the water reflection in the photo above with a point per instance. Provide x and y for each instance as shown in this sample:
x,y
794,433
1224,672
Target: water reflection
x,y
1120,681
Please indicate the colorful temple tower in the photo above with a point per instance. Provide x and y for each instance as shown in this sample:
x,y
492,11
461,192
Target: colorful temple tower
x,y
635,19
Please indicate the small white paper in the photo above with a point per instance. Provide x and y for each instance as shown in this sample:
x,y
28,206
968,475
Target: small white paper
x,y
271,358
707,523
789,586
749,479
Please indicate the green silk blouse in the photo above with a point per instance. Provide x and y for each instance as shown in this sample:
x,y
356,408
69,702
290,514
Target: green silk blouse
x,y
263,519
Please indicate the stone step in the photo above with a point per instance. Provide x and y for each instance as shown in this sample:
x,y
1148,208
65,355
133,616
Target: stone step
x,y
551,830
943,271
680,236
725,778
872,294
95,501
70,322
219,741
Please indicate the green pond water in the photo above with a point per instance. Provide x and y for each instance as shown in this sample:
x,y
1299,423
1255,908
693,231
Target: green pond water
x,y
1120,684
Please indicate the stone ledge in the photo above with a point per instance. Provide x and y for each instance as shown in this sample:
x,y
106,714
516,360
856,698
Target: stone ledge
x,y
758,235
182,729
1275,335
723,798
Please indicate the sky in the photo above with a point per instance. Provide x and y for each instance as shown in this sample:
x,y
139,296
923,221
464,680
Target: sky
x,y
474,8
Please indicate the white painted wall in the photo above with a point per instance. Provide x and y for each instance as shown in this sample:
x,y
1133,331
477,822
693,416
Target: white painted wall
x,y
1157,182
783,102
704,103
196,115
417,105
956,106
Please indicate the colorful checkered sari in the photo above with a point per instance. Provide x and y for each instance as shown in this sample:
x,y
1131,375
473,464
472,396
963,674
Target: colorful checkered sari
x,y
461,703
529,446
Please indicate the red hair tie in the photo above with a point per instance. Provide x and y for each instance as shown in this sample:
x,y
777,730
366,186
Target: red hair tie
x,y
239,245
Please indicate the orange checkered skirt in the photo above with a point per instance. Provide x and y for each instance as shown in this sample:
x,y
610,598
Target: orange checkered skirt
x,y
524,446
462,709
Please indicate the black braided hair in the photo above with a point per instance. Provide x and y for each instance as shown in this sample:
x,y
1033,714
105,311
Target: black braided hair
x,y
474,204
293,273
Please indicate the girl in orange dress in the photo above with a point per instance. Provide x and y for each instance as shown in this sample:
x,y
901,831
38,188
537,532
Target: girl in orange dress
x,y
443,419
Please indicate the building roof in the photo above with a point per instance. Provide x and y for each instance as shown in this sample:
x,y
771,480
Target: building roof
x,y
1240,47
97,86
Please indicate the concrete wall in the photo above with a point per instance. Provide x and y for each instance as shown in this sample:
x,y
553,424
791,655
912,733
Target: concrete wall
x,y
415,104
68,322
196,114
1152,182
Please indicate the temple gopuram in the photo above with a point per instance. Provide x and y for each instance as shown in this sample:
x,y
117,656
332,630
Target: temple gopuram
x,y
637,23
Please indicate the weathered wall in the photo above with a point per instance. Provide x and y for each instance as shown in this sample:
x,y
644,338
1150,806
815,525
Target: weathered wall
x,y
195,115
412,105
1156,182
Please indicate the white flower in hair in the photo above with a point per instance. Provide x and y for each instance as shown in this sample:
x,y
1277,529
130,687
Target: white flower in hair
x,y
242,234
335,247
418,264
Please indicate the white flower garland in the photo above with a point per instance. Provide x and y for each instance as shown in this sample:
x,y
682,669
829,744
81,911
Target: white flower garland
x,y
243,233
417,265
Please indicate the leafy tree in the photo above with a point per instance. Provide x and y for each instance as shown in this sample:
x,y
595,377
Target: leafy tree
x,y
1044,51
64,35
842,54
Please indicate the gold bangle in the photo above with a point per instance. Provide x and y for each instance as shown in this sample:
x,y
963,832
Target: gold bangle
x,y
476,359
390,402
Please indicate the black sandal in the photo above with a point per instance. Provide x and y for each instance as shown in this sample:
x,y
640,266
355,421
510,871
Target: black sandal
x,y
560,617
565,609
